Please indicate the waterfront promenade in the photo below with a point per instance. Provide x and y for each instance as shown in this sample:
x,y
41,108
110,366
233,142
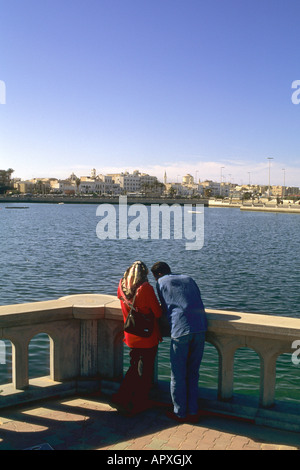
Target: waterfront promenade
x,y
88,422
70,408
287,208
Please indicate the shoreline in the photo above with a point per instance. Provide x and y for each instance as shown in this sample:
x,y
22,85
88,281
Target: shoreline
x,y
290,208
100,200
285,210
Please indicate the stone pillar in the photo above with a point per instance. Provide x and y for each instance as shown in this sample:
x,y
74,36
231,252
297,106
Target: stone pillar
x,y
88,348
110,349
226,363
20,365
101,349
19,338
267,380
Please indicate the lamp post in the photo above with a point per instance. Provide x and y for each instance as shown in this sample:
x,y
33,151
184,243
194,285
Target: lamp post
x,y
283,189
221,181
269,158
177,186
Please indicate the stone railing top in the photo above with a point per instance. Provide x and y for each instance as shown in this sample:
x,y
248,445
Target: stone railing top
x,y
257,324
88,300
34,312
89,306
97,306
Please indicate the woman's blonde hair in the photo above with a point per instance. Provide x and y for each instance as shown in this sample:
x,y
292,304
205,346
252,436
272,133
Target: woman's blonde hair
x,y
134,277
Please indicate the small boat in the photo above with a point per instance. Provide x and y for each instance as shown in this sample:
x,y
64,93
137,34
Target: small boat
x,y
17,207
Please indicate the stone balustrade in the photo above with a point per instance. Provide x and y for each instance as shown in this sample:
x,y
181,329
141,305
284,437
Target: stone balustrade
x,y
86,347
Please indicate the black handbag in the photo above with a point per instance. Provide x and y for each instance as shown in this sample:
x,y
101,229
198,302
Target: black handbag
x,y
138,323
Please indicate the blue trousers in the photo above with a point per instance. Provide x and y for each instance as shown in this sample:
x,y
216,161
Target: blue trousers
x,y
186,355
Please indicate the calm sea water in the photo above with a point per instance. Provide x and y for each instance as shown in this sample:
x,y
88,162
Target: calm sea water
x,y
249,262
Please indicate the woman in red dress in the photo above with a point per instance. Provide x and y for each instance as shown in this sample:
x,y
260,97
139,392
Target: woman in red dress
x,y
133,394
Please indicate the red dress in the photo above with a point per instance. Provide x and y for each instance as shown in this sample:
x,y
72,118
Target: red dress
x,y
134,390
145,301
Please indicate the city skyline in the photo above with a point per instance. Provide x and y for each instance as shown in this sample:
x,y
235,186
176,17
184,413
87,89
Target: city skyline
x,y
260,174
182,87
93,174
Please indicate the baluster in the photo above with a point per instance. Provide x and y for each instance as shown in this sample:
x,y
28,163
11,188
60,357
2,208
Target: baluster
x,y
20,365
226,362
267,380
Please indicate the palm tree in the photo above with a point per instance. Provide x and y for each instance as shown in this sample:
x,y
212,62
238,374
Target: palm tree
x,y
5,179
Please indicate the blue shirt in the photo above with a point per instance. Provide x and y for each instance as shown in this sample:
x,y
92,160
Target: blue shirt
x,y
181,300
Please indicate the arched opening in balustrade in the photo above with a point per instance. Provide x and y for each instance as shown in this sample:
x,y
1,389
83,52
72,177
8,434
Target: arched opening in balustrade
x,y
5,361
246,376
163,370
126,358
209,369
39,356
287,386
163,360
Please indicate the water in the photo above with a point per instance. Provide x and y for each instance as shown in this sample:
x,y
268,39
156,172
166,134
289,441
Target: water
x,y
249,262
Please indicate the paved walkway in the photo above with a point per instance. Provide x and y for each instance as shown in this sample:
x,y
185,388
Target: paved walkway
x,y
88,422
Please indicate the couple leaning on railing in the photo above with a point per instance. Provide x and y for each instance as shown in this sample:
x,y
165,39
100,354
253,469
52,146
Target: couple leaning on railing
x,y
179,302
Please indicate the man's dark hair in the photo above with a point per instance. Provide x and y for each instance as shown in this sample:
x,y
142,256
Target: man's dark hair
x,y
160,268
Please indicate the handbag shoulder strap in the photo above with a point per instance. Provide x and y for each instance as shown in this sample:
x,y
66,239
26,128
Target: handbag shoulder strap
x,y
131,305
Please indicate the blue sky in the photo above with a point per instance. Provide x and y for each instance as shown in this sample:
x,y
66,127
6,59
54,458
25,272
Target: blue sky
x,y
182,86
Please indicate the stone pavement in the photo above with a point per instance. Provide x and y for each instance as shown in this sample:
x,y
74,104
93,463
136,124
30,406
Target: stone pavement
x,y
88,422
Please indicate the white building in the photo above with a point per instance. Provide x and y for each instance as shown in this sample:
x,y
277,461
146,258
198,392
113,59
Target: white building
x,y
188,179
100,184
211,188
134,182
63,186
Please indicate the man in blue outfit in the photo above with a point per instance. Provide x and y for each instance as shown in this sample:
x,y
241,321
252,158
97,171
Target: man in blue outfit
x,y
181,301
